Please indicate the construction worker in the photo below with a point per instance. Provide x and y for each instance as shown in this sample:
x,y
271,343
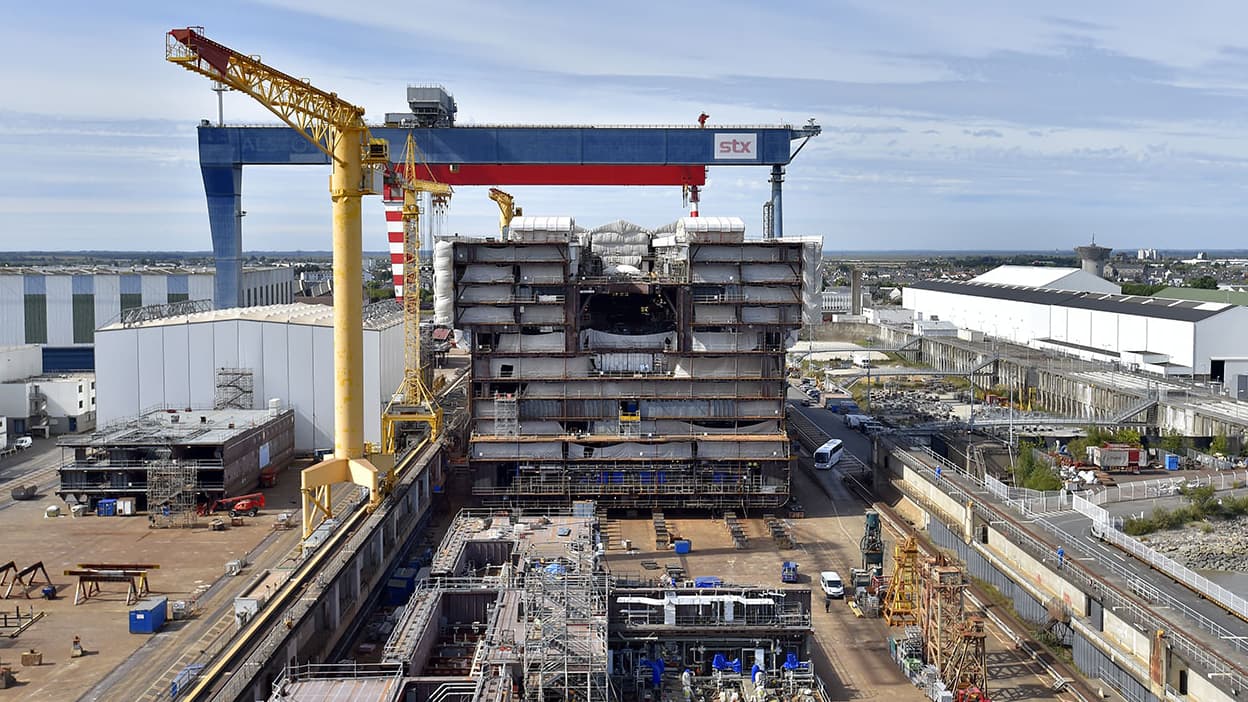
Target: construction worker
x,y
76,650
827,604
1061,557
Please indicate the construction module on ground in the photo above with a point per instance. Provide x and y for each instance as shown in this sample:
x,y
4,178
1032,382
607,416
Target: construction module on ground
x,y
640,369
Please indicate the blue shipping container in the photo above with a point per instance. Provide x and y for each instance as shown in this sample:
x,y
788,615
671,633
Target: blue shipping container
x,y
149,615
682,546
397,592
106,507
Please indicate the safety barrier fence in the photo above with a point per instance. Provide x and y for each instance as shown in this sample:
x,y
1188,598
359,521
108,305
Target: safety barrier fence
x,y
1164,487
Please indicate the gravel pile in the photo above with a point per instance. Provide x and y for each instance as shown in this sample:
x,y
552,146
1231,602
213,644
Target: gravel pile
x,y
1218,545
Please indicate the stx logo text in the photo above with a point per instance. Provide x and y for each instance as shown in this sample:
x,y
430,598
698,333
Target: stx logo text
x,y
739,147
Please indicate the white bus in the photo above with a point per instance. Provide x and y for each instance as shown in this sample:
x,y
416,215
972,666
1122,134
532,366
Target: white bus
x,y
829,454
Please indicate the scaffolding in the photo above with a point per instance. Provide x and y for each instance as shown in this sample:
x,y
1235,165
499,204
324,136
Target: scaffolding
x,y
901,601
171,491
966,669
943,612
506,415
565,629
235,389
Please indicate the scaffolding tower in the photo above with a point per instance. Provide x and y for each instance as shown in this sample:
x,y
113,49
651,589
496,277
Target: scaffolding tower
x,y
901,601
565,654
506,414
943,613
171,489
235,389
966,670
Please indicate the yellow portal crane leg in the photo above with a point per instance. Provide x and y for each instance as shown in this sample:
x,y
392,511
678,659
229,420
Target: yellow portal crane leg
x,y
413,403
337,128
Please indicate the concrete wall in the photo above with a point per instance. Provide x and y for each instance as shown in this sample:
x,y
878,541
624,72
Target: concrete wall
x,y
15,399
20,362
1038,574
1129,639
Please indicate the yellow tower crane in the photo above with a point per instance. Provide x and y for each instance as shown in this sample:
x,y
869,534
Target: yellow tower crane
x,y
413,404
337,128
507,209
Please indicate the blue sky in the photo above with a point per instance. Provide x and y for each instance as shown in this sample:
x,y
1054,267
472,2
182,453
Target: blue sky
x,y
971,125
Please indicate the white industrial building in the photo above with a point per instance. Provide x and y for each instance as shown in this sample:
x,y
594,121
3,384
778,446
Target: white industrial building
x,y
34,402
64,305
1170,337
243,357
1047,277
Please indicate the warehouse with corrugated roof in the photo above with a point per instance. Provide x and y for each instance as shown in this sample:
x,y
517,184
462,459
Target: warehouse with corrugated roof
x,y
243,357
1165,336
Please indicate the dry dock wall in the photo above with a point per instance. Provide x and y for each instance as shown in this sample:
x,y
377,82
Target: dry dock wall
x,y
1118,655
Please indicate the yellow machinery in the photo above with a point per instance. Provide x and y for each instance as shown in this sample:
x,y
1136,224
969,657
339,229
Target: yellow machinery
x,y
337,128
413,404
901,601
507,209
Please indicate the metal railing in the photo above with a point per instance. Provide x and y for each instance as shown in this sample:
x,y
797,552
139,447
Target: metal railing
x,y
1195,652
1200,584
1164,487
1205,460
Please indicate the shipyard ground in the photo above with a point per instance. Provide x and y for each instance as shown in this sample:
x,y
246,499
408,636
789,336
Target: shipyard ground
x,y
117,664
850,653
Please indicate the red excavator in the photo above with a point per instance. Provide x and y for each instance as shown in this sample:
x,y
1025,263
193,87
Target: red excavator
x,y
249,505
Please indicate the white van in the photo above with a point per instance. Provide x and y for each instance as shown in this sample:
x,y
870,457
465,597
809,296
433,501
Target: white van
x,y
831,584
23,442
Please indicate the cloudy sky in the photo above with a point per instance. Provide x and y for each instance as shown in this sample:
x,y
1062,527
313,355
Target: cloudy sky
x,y
978,125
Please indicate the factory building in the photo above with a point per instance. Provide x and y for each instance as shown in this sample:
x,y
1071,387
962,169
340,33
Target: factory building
x,y
242,358
1167,337
1049,278
637,368
64,305
39,403
210,453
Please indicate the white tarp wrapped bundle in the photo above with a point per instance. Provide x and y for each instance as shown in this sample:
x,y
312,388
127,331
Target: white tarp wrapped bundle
x,y
443,283
620,243
812,281
594,339
541,229
708,230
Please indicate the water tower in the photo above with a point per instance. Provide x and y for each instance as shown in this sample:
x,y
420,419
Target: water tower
x,y
1093,258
